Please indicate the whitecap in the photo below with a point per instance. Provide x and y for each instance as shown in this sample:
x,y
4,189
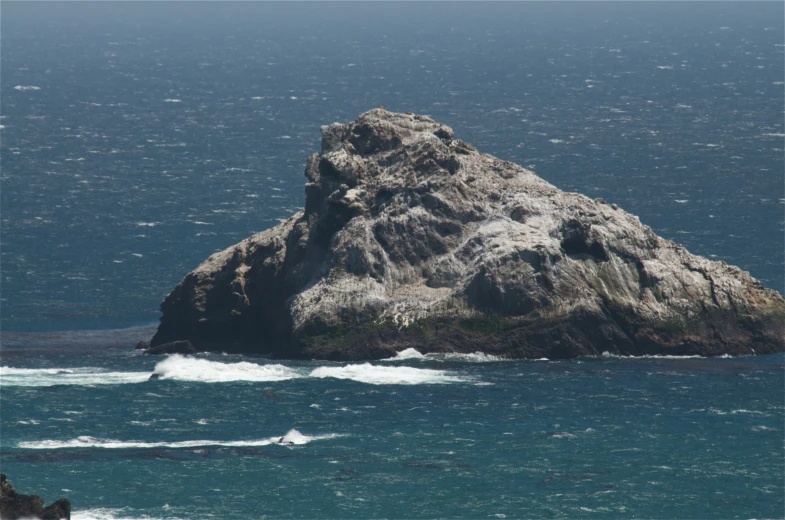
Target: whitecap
x,y
26,88
183,368
409,353
607,354
103,513
476,357
378,375
67,376
414,354
171,100
191,369
291,438
753,412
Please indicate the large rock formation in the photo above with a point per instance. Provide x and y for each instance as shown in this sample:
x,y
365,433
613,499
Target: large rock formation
x,y
411,238
16,506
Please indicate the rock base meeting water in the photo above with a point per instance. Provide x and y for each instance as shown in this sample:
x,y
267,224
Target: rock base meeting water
x,y
411,238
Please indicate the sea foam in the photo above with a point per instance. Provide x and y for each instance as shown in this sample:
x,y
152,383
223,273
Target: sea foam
x,y
376,375
103,513
409,353
413,354
183,368
292,437
67,376
607,354
191,369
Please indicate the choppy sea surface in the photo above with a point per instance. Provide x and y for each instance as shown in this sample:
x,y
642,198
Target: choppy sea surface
x,y
419,437
136,139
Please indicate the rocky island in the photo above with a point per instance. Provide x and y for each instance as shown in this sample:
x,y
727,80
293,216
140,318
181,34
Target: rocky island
x,y
411,238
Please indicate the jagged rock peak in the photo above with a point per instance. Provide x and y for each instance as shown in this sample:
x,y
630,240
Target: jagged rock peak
x,y
379,130
411,238
356,153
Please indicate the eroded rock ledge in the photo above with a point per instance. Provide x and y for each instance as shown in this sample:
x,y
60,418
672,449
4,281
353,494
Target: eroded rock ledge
x,y
412,238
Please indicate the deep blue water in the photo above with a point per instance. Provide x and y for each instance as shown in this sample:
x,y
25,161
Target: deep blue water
x,y
112,191
138,138
420,438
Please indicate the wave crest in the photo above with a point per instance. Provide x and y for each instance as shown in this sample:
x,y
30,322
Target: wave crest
x,y
67,376
198,370
104,513
292,437
413,354
181,368
376,375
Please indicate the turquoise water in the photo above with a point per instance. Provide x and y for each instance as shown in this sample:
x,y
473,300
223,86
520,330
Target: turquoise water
x,y
421,437
136,139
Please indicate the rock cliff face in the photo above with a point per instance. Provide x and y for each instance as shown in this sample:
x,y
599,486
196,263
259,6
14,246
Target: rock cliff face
x,y
412,238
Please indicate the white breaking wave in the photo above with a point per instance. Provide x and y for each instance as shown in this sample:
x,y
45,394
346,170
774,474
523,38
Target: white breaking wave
x,y
67,376
411,354
649,356
103,513
376,375
477,357
292,437
183,368
26,88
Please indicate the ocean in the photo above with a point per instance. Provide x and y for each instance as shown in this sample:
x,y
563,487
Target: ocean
x,y
138,138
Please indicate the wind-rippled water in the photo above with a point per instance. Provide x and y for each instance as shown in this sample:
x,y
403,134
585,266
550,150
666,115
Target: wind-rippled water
x,y
136,139
412,437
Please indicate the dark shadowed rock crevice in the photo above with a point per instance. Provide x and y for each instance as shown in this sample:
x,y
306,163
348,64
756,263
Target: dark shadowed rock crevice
x,y
411,238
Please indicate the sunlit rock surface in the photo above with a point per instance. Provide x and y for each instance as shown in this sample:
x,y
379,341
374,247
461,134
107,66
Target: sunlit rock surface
x,y
411,238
